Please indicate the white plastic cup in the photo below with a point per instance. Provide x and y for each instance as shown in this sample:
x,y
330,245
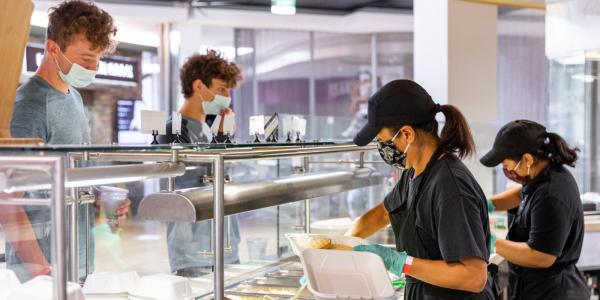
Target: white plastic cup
x,y
112,197
257,248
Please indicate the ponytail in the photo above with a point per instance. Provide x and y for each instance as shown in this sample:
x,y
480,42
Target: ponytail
x,y
456,135
558,151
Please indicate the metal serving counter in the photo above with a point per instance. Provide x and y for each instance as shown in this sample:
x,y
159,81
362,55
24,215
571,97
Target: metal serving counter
x,y
43,167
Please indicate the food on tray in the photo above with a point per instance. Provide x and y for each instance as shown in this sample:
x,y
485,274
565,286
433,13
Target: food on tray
x,y
326,243
319,243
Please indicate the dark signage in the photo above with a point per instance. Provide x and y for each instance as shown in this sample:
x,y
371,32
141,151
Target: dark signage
x,y
112,68
125,112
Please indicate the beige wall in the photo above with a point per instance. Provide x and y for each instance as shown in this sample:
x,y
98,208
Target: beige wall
x,y
456,45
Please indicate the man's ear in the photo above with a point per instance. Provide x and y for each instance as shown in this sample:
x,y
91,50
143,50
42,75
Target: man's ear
x,y
408,133
52,47
197,86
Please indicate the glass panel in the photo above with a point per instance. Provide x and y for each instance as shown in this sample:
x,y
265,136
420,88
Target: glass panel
x,y
567,103
282,70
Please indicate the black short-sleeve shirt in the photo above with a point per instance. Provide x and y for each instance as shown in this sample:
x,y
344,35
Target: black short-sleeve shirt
x,y
550,216
452,218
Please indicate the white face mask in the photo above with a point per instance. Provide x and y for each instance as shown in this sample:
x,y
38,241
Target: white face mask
x,y
78,77
215,106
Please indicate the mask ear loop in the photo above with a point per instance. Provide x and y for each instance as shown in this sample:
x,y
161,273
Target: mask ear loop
x,y
395,135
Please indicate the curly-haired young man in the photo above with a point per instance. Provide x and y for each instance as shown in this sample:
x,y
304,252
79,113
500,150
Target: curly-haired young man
x,y
49,107
206,80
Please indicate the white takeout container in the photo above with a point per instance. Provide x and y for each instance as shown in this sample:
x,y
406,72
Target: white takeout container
x,y
163,287
41,288
299,241
8,283
111,283
334,274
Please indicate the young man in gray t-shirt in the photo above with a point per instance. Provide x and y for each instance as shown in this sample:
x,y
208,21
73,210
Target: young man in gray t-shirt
x,y
49,107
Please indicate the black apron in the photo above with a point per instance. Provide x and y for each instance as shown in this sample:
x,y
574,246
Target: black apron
x,y
560,281
403,220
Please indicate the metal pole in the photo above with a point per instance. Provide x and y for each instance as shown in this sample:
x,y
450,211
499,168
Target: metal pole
x,y
373,63
164,53
312,102
228,246
86,157
361,160
74,239
306,166
171,179
307,215
59,262
218,198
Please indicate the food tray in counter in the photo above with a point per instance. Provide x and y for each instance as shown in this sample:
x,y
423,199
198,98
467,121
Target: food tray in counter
x,y
269,291
300,241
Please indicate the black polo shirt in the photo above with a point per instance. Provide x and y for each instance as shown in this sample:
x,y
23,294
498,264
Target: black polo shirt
x,y
550,216
452,217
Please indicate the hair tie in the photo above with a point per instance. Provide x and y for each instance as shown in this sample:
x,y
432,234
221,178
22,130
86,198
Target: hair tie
x,y
437,108
546,137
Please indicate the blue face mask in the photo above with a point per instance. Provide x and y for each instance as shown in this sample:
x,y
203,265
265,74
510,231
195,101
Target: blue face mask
x,y
215,106
78,76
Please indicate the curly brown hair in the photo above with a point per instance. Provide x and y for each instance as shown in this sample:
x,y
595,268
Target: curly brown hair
x,y
74,17
207,67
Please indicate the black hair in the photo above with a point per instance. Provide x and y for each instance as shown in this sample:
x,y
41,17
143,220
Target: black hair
x,y
456,134
554,149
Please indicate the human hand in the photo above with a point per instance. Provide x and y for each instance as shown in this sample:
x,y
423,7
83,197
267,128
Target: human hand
x,y
226,111
122,211
393,260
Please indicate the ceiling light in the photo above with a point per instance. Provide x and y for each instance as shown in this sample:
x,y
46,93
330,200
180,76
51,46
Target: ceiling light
x,y
283,7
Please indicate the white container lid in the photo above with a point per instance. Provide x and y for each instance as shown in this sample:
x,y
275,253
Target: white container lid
x,y
111,283
299,241
333,274
8,283
163,287
41,288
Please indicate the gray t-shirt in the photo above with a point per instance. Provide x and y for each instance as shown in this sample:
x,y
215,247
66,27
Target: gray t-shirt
x,y
44,112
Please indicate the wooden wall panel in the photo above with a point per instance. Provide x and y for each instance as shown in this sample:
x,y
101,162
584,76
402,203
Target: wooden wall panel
x,y
15,16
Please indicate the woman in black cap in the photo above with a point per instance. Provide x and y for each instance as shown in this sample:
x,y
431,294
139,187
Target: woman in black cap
x,y
545,236
441,226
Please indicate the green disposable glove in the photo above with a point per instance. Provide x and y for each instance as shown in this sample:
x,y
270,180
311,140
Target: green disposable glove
x,y
392,259
491,206
303,280
493,240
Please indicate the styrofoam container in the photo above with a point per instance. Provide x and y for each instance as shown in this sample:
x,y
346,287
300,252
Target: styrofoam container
x,y
299,241
41,288
334,274
111,283
8,282
163,287
331,226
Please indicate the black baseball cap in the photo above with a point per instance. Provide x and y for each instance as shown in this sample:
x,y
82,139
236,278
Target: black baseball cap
x,y
514,139
399,102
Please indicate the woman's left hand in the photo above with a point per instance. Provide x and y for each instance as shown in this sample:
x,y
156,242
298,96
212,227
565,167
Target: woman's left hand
x,y
394,260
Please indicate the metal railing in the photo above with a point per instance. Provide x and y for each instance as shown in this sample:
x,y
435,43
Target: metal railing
x,y
169,164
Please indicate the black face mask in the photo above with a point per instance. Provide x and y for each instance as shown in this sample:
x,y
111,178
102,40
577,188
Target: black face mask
x,y
391,155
